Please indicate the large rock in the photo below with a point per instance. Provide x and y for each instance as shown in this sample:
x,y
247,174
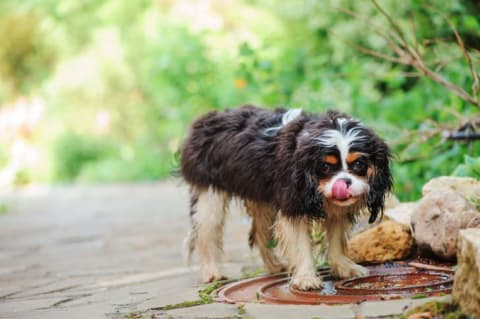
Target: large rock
x,y
402,213
437,220
384,242
466,285
468,187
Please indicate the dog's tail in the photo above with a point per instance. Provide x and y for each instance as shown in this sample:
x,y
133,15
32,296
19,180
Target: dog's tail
x,y
189,246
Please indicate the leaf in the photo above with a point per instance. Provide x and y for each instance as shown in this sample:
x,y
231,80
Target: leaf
x,y
272,243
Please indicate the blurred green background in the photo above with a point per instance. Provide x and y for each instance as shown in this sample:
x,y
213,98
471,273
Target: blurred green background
x,y
104,91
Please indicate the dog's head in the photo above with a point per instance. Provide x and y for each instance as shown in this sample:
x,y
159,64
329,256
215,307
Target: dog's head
x,y
337,161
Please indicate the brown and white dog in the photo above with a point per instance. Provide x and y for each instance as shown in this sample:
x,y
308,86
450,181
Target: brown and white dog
x,y
289,168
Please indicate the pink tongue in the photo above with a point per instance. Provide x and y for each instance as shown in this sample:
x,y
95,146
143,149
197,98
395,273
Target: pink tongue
x,y
340,190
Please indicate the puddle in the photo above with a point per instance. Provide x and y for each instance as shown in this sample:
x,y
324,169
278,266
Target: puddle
x,y
387,281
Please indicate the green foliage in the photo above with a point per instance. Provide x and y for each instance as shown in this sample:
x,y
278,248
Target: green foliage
x,y
153,66
73,152
471,167
25,58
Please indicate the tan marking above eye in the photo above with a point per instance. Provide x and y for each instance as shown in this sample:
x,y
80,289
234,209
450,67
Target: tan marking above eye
x,y
331,159
370,171
353,156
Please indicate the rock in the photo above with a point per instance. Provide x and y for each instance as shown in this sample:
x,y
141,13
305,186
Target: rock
x,y
384,242
437,220
402,213
361,224
466,284
468,187
391,201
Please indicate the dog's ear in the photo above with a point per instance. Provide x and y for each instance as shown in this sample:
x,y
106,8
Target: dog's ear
x,y
380,181
300,195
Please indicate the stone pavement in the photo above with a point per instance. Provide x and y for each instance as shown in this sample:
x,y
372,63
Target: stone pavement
x,y
109,251
100,251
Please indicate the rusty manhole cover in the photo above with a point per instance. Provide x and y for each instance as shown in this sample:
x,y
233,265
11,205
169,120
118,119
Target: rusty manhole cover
x,y
390,281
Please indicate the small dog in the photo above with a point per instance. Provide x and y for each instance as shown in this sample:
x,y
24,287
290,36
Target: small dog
x,y
289,168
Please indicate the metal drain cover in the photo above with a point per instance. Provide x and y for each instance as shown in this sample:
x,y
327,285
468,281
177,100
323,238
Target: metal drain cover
x,y
390,281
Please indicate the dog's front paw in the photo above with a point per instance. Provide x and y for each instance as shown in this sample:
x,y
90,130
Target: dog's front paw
x,y
310,282
348,269
213,277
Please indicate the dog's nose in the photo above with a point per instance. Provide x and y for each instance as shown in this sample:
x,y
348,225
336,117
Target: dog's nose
x,y
347,180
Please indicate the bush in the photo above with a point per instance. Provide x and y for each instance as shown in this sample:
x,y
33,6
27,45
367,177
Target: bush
x,y
73,152
154,66
25,58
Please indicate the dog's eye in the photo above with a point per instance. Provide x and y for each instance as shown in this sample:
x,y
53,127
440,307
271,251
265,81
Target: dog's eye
x,y
326,168
359,167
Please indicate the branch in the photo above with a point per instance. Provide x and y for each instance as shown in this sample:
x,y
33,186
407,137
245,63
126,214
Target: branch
x,y
383,33
410,55
368,51
392,22
468,58
414,30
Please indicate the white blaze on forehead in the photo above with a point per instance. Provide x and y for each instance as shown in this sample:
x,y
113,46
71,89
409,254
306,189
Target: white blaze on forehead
x,y
341,121
341,139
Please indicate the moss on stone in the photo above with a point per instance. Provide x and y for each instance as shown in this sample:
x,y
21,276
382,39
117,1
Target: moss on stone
x,y
438,309
205,295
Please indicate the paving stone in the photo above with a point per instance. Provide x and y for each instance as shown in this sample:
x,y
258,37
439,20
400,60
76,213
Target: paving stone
x,y
364,310
394,307
265,311
14,307
213,311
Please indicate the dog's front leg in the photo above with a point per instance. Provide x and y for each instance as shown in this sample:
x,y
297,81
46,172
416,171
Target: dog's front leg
x,y
341,265
296,246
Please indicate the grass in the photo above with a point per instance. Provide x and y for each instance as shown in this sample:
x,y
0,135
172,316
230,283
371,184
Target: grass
x,y
419,296
250,273
134,315
241,310
204,294
183,304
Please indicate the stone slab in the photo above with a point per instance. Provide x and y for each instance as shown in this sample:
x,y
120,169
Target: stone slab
x,y
365,310
466,287
213,311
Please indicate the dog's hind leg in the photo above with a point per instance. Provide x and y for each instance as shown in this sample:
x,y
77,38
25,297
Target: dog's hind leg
x,y
207,212
190,240
261,233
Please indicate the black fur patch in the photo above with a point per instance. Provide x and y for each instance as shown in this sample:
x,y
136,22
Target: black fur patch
x,y
237,152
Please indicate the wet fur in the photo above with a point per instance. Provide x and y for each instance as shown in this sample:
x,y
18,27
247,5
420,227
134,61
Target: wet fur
x,y
251,154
